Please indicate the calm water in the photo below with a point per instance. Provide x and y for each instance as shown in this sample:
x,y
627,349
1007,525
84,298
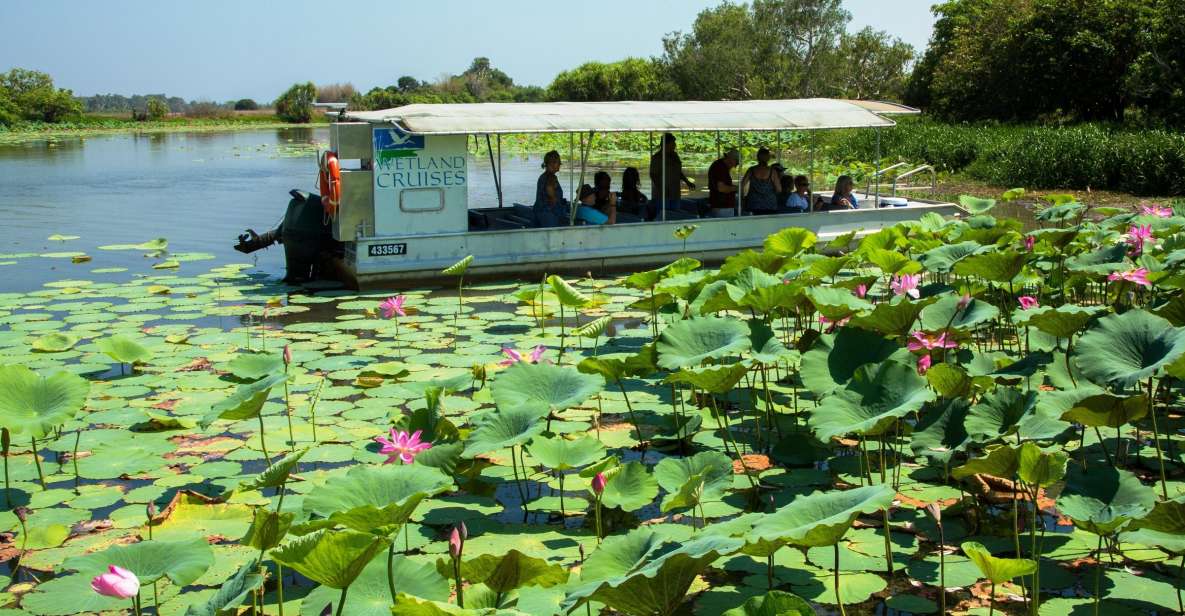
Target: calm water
x,y
198,190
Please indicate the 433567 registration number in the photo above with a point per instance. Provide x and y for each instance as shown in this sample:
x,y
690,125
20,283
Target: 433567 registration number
x,y
386,250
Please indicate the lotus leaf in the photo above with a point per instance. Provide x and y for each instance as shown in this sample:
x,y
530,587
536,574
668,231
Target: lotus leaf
x,y
643,573
1125,349
998,570
1106,410
1062,321
370,595
894,318
875,398
267,529
245,402
561,454
334,558
712,468
33,405
943,258
1103,500
630,487
1000,266
458,268
181,562
567,294
230,594
547,386
503,573
1040,467
822,518
835,303
277,474
650,278
789,242
712,379
945,313
691,342
255,366
999,412
976,205
376,499
832,362
503,428
124,349
54,343
773,603
941,431
1001,461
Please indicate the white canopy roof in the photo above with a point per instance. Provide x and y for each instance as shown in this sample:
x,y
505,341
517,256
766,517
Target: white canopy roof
x,y
632,116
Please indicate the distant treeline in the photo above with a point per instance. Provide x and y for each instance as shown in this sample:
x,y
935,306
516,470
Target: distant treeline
x,y
118,103
1055,61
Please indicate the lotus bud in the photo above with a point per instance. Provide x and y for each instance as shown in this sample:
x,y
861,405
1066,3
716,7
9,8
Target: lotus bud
x,y
151,509
4,439
464,532
935,512
22,514
861,290
287,354
598,483
456,543
117,582
581,547
964,301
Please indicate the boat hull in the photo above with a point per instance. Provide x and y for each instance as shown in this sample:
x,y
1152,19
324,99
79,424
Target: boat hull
x,y
395,261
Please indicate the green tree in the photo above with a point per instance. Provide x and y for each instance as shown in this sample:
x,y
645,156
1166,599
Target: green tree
x,y
873,65
630,79
1157,78
772,49
246,104
296,104
33,96
156,109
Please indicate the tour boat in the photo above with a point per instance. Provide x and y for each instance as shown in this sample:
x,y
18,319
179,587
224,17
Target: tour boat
x,y
397,205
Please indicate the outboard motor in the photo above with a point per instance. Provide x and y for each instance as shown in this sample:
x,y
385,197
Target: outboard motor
x,y
306,235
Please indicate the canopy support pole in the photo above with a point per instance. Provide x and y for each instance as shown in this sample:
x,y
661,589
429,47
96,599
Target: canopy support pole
x,y
499,169
810,207
494,166
584,149
877,177
571,168
736,203
663,153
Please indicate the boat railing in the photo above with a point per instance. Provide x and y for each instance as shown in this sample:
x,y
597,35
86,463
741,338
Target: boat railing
x,y
899,180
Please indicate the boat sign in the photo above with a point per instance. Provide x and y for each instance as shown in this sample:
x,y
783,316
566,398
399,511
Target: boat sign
x,y
386,250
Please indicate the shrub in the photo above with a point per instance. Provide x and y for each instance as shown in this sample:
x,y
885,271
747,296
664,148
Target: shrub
x,y
33,96
206,109
246,104
296,104
156,109
335,92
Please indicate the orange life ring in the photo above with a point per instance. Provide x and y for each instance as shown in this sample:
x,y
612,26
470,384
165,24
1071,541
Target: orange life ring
x,y
330,182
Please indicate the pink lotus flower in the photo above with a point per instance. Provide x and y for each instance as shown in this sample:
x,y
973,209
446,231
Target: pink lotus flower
x,y
924,363
906,285
1152,209
1138,276
402,446
287,355
117,582
456,541
598,483
861,290
1137,236
1030,241
393,306
964,301
926,342
513,356
1027,302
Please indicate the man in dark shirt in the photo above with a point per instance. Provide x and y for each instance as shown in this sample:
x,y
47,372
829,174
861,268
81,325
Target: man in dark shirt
x,y
721,191
673,174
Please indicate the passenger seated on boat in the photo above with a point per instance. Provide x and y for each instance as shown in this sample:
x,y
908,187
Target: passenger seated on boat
x,y
799,200
597,207
843,198
550,210
760,186
631,199
722,193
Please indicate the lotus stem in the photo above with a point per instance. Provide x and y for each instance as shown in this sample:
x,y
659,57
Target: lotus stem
x,y
514,468
885,517
1180,584
5,442
633,418
460,586
563,511
136,604
280,588
341,601
769,571
597,510
313,407
1036,551
1098,577
262,443
992,601
838,600
941,568
390,569
561,358
1164,489
288,410
1103,444
37,461
74,457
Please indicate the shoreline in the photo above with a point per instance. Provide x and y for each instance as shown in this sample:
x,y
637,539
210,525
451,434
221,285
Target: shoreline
x,y
22,135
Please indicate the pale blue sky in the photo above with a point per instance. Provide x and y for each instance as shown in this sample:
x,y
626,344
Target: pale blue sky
x,y
226,49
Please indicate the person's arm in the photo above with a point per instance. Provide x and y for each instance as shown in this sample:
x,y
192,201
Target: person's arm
x,y
777,182
612,212
552,197
745,181
687,180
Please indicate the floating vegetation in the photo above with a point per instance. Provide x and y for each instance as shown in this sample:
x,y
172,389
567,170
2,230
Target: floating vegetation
x,y
945,415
